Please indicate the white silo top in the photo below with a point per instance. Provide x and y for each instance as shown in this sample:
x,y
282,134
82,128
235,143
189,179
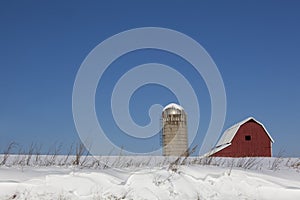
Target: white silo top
x,y
174,106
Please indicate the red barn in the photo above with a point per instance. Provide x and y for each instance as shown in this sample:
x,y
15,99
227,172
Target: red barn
x,y
248,138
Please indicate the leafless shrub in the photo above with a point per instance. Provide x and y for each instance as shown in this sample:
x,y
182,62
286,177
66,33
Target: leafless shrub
x,y
86,159
181,160
19,156
296,164
148,162
188,153
206,160
198,196
117,161
7,152
159,180
79,156
173,166
275,164
29,153
251,162
14,196
64,161
80,149
287,163
231,167
38,149
95,163
278,160
247,163
106,162
52,154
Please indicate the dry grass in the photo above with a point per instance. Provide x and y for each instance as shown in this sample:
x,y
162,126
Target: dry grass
x,y
79,157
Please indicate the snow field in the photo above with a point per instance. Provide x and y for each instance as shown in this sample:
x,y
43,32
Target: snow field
x,y
190,181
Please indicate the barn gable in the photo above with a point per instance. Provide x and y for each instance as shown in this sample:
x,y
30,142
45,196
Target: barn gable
x,y
228,136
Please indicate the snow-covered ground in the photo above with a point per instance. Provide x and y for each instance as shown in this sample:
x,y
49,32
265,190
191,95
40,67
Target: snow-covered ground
x,y
259,178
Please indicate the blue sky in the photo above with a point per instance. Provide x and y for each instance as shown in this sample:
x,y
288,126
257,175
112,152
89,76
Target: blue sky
x,y
255,45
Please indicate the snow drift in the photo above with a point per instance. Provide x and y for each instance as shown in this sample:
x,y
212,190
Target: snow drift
x,y
189,181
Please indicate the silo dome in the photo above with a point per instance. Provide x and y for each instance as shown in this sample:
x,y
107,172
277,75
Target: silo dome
x,y
173,108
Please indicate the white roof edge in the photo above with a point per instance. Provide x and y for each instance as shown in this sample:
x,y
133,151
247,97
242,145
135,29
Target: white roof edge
x,y
263,128
173,105
216,149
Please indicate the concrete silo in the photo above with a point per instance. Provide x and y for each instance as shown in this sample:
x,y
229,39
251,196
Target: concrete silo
x,y
174,130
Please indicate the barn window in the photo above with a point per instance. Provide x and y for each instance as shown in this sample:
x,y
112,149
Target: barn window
x,y
248,137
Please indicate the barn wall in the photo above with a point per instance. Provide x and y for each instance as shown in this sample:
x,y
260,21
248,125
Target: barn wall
x,y
259,145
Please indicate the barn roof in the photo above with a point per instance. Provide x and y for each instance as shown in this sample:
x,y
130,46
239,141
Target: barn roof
x,y
216,149
229,134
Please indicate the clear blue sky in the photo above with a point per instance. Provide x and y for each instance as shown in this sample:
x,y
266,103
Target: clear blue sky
x,y
255,44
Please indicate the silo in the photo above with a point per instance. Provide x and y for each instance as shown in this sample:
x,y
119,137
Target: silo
x,y
174,130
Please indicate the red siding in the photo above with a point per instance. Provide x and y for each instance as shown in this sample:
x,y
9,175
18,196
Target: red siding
x,y
259,145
